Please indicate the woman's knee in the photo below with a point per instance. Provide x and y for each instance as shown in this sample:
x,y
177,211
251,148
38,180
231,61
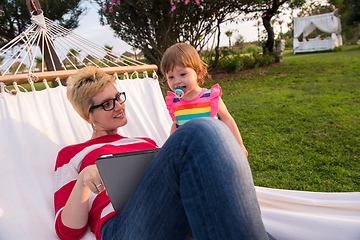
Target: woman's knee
x,y
201,127
207,133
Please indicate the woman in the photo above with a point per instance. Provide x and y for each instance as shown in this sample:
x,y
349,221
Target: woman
x,y
199,184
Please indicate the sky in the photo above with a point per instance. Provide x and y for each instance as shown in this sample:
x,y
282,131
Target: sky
x,y
91,29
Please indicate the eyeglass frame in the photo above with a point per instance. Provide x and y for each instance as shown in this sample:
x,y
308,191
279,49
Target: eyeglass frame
x,y
117,97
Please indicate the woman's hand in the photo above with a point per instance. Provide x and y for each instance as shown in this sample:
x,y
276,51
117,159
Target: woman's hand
x,y
75,213
90,177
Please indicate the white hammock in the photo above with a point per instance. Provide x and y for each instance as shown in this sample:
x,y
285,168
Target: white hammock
x,y
36,125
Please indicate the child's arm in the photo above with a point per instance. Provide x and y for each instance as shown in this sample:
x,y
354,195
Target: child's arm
x,y
225,117
173,128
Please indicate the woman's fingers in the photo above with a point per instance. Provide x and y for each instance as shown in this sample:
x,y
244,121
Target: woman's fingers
x,y
91,178
100,187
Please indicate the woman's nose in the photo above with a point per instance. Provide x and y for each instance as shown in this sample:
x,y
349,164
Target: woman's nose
x,y
118,105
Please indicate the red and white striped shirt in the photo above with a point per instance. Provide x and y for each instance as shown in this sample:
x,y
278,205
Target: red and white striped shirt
x,y
71,160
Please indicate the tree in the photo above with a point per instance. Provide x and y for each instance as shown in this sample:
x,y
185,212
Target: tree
x,y
311,9
109,55
281,31
258,25
14,17
135,49
72,55
240,40
108,48
229,35
18,66
269,9
350,13
153,26
38,63
355,12
1,60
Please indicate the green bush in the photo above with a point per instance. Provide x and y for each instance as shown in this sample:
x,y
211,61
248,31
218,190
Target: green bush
x,y
249,62
231,63
252,49
289,43
225,51
263,59
277,56
337,49
236,63
235,51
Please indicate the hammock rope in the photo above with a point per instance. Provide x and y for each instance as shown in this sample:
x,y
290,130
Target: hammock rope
x,y
59,43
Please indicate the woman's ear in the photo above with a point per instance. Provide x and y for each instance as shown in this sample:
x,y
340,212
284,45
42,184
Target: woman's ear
x,y
90,119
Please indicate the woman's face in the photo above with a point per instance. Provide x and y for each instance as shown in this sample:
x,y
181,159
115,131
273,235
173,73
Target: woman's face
x,y
107,122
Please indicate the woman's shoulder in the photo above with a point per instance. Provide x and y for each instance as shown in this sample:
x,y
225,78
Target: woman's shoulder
x,y
149,140
71,150
108,140
103,139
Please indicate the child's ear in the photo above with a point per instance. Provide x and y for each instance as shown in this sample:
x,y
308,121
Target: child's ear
x,y
200,77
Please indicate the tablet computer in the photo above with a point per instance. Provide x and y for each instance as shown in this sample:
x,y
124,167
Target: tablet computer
x,y
121,172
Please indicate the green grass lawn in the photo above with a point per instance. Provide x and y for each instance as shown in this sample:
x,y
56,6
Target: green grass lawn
x,y
300,120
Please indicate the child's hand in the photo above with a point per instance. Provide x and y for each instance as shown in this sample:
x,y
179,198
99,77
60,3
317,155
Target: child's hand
x,y
245,151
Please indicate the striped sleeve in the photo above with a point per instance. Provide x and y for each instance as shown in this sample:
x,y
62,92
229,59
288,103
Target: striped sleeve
x,y
65,178
73,159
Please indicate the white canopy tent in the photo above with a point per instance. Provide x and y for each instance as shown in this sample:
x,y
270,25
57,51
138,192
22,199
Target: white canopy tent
x,y
328,23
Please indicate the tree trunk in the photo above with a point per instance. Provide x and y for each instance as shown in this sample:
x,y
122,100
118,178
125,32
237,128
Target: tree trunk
x,y
151,56
345,41
356,35
217,49
269,46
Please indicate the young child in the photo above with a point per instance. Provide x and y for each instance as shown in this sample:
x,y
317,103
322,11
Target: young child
x,y
184,71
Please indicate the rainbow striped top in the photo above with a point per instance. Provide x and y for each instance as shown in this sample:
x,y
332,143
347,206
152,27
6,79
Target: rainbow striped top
x,y
206,104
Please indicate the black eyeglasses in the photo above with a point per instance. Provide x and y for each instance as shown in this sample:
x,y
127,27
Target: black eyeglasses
x,y
110,103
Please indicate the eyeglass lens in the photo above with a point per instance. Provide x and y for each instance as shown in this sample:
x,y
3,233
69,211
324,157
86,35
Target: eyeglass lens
x,y
110,104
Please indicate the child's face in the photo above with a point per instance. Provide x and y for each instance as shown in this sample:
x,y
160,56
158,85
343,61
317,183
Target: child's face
x,y
183,77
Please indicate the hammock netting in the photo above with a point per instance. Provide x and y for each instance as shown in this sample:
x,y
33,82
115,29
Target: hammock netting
x,y
25,56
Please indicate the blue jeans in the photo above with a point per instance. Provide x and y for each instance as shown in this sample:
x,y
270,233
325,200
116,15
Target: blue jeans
x,y
198,186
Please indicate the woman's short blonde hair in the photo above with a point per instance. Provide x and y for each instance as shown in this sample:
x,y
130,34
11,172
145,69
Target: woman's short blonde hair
x,y
83,86
183,55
